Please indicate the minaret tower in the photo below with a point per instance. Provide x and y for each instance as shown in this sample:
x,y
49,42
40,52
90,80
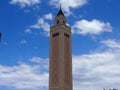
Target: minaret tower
x,y
60,69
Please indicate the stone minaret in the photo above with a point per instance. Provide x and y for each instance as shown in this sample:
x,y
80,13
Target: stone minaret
x,y
60,70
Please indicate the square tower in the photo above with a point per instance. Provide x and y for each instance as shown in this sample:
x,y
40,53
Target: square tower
x,y
60,65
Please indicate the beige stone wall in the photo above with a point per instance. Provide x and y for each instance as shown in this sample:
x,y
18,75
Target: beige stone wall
x,y
54,62
60,69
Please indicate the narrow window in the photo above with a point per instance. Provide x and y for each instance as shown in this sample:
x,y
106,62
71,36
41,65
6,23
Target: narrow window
x,y
57,22
66,35
56,34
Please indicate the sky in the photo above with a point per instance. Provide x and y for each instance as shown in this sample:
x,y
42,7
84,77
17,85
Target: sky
x,y
24,48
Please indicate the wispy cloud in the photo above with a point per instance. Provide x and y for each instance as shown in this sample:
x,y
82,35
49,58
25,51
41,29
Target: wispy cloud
x,y
111,43
93,71
91,27
67,4
48,16
28,31
23,41
41,24
97,70
38,60
23,77
24,3
44,63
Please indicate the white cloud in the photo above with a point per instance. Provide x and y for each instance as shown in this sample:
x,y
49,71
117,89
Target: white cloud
x,y
28,31
67,4
97,70
91,27
48,16
111,43
23,42
41,24
38,60
23,77
42,62
27,11
24,3
93,71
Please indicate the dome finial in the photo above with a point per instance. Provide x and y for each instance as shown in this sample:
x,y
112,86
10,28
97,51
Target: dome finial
x,y
60,6
60,11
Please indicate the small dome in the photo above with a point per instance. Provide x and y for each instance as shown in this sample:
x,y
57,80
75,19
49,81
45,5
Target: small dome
x,y
60,12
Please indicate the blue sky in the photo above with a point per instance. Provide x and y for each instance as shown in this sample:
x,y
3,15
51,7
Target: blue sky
x,y
24,49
